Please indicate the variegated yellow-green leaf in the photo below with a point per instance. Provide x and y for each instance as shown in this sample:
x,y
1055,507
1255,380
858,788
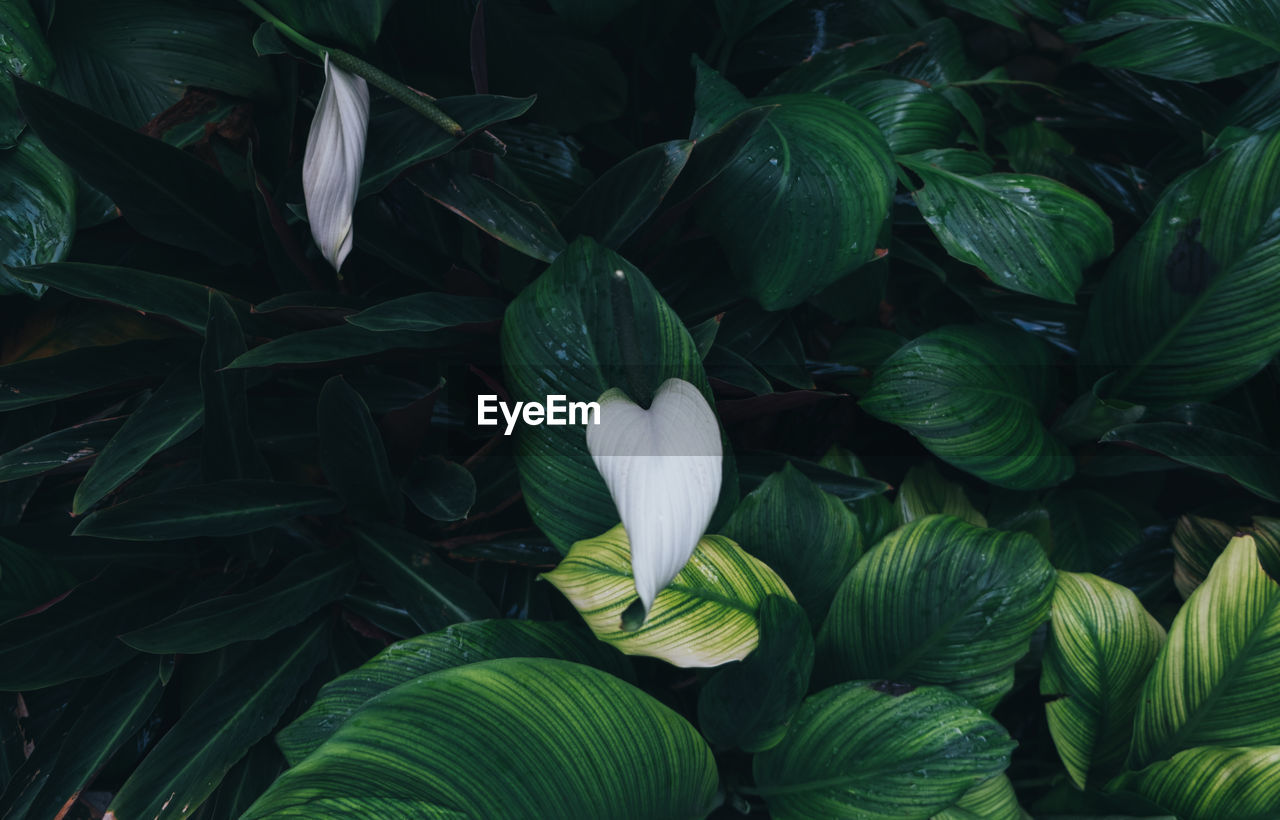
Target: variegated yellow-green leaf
x,y
1212,783
1197,543
992,799
1214,682
925,492
1101,645
706,616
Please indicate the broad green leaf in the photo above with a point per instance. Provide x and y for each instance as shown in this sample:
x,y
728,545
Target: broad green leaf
x,y
813,155
425,312
331,344
1090,530
27,55
1191,40
440,489
1212,783
149,293
85,369
626,195
173,412
400,138
1248,462
58,449
939,601
517,738
164,193
875,514
1027,233
1211,685
293,595
434,593
809,537
748,704
880,750
99,721
237,710
228,447
845,484
925,492
245,782
221,508
1101,646
705,617
456,645
1091,415
577,331
75,637
974,396
37,210
992,799
28,579
353,456
1185,311
334,22
132,59
1197,543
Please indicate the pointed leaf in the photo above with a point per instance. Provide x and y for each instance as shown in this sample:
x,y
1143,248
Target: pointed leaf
x,y
625,196
1090,530
85,369
28,579
331,344
37,207
149,293
1247,461
428,311
925,492
352,454
229,451
58,449
440,489
992,799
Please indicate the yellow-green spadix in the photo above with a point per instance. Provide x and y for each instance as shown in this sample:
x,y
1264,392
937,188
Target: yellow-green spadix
x,y
333,161
662,466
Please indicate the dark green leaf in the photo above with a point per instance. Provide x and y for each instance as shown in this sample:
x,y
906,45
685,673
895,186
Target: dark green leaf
x,y
1244,460
329,344
91,368
228,451
167,195
58,449
434,593
849,487
440,489
1008,13
590,15
184,302
334,22
27,55
352,454
298,591
37,208
876,515
28,579
926,492
740,16
222,508
1091,531
1197,543
622,199
425,312
1091,415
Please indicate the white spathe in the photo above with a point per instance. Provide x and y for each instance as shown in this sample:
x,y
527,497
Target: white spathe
x,y
663,468
333,161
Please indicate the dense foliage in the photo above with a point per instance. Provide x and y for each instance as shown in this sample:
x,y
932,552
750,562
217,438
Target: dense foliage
x,y
983,293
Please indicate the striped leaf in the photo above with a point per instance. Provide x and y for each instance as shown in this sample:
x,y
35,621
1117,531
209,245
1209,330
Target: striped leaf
x,y
706,616
992,799
577,331
514,738
939,601
880,750
1212,783
1186,311
876,515
1101,646
974,396
1214,681
457,645
1090,531
925,492
1027,233
1197,543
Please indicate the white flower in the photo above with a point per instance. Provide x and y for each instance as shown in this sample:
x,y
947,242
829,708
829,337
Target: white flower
x,y
335,155
663,468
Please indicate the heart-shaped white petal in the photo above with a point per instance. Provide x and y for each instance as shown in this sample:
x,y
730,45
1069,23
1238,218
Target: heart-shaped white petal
x,y
663,468
334,159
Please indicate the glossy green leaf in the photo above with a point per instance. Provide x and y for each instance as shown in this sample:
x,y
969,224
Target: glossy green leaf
x,y
82,626
1090,530
1185,311
880,750
1248,462
577,331
425,312
27,55
1211,683
173,412
58,449
974,396
705,617
992,799
925,492
748,704
330,344
1101,646
1212,783
456,645
812,153
85,369
293,595
222,508
98,723
809,537
625,196
164,193
514,738
434,593
400,138
28,579
440,489
37,209
1192,40
237,710
353,456
939,601
149,293
1027,233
